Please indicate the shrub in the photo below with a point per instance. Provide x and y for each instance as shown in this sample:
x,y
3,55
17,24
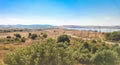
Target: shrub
x,y
23,39
50,52
29,35
105,57
93,41
33,36
117,49
44,53
44,35
17,35
84,59
63,38
17,39
114,36
8,37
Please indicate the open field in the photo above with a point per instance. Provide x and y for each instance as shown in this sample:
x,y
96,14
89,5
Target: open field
x,y
15,42
52,33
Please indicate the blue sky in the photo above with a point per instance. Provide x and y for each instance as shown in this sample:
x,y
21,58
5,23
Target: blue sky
x,y
60,12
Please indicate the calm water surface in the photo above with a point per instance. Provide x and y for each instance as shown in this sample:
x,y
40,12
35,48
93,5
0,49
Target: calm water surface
x,y
96,29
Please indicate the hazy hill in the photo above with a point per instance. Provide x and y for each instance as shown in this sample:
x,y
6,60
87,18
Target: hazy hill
x,y
34,26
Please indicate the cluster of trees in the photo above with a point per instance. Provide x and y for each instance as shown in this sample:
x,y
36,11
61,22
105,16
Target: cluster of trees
x,y
58,52
32,36
10,39
35,36
18,38
114,36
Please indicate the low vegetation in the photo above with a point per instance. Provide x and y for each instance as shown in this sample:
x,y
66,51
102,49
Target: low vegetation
x,y
52,52
114,36
32,36
63,38
17,38
61,50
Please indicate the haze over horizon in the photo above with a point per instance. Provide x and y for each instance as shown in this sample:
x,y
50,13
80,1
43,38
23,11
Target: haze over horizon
x,y
60,12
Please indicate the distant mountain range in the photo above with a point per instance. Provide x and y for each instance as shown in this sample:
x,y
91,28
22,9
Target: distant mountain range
x,y
34,26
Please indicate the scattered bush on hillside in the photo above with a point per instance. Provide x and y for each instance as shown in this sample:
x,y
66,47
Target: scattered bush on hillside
x,y
8,37
17,35
29,35
33,36
63,38
45,53
7,40
51,52
114,36
44,35
23,39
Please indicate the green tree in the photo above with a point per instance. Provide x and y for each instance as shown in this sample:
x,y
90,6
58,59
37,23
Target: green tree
x,y
82,56
33,36
44,35
23,39
105,57
17,35
63,38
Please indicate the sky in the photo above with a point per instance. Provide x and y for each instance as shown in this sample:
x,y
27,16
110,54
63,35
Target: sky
x,y
60,12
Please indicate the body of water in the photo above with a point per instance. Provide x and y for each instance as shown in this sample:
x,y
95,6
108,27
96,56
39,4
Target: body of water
x,y
96,29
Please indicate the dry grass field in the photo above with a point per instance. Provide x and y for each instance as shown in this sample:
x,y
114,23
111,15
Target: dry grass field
x,y
52,33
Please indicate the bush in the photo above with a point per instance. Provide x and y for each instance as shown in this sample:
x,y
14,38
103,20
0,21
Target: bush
x,y
23,39
17,35
29,35
44,53
44,35
8,37
50,52
114,36
117,49
17,39
105,57
93,41
33,36
63,38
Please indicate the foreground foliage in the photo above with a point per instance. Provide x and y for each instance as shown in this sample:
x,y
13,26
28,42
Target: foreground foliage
x,y
105,57
52,52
